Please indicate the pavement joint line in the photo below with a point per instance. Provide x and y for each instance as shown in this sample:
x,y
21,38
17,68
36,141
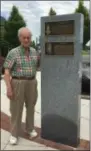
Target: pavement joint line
x,y
24,145
39,145
85,105
85,118
37,112
6,145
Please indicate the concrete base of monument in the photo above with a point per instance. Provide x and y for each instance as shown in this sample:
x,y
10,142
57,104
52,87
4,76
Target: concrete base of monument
x,y
60,130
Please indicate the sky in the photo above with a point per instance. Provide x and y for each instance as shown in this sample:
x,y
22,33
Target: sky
x,y
33,10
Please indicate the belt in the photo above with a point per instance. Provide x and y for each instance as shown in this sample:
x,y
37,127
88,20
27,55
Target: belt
x,y
24,78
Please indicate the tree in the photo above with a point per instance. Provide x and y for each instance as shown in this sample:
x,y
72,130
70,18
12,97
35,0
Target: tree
x,y
82,9
52,12
4,47
14,22
2,28
33,44
3,43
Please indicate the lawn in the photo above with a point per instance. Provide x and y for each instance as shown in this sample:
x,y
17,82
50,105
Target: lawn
x,y
85,52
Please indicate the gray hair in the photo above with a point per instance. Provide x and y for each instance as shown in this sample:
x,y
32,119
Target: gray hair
x,y
21,29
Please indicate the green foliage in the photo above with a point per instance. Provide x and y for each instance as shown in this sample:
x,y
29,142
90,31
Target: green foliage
x,y
82,9
3,43
14,22
2,27
4,47
2,21
52,12
84,52
16,16
33,44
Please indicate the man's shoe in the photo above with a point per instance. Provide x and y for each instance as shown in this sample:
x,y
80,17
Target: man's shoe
x,y
33,134
13,140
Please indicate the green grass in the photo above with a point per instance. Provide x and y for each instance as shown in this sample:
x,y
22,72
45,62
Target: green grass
x,y
84,52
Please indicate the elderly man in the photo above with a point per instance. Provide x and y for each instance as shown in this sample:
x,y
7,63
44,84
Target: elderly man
x,y
20,77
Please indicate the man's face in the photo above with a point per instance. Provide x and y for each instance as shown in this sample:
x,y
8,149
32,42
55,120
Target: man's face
x,y
25,39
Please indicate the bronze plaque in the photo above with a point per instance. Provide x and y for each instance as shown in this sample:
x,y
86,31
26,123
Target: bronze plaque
x,y
59,48
59,28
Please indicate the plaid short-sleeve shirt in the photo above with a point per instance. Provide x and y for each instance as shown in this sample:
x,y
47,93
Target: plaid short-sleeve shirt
x,y
19,64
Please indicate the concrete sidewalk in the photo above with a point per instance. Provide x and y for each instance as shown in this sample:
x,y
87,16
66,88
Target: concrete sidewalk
x,y
23,144
27,144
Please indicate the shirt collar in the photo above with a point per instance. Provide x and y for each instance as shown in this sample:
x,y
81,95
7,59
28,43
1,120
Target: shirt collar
x,y
22,49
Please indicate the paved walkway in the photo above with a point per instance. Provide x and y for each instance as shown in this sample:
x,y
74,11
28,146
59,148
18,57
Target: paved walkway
x,y
38,143
24,144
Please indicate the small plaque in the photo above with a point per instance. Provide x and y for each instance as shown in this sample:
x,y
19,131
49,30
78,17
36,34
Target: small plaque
x,y
59,28
59,48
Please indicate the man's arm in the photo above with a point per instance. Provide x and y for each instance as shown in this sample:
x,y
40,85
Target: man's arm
x,y
9,62
7,78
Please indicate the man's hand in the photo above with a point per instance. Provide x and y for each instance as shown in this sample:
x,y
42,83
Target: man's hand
x,y
8,79
10,93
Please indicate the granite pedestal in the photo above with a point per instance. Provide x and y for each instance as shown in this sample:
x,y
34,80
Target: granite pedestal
x,y
61,45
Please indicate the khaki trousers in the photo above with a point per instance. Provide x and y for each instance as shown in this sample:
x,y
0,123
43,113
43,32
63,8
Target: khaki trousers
x,y
25,91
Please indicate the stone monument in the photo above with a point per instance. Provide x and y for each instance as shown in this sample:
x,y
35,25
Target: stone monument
x,y
61,45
